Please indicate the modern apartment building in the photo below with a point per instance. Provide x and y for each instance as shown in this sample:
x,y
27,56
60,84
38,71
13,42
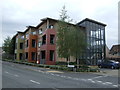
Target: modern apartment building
x,y
95,34
38,44
19,46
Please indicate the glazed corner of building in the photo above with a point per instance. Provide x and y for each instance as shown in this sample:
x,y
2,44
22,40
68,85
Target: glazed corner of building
x,y
38,44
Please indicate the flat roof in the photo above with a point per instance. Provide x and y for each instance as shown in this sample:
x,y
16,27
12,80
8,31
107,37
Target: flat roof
x,y
91,20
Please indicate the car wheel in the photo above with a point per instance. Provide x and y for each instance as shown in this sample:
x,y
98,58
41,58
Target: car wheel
x,y
112,67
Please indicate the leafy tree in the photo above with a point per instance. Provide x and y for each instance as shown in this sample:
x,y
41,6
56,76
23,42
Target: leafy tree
x,y
62,35
12,45
78,42
70,39
9,45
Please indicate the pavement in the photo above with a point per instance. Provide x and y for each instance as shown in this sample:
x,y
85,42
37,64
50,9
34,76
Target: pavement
x,y
109,72
23,76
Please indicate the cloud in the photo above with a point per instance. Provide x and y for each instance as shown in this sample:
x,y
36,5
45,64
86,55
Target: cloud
x,y
17,14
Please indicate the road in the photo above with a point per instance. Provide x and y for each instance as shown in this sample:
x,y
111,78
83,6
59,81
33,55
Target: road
x,y
23,76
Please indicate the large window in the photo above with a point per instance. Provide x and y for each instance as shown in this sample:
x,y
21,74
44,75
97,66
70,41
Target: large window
x,y
34,33
40,31
21,45
39,43
52,39
42,54
22,37
51,55
51,26
33,55
21,56
44,40
27,35
96,41
33,43
15,56
26,55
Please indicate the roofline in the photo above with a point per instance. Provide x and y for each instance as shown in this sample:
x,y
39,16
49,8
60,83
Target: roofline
x,y
91,20
17,33
28,27
116,45
44,19
20,32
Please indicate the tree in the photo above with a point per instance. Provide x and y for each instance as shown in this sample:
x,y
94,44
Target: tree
x,y
63,36
9,45
70,39
78,42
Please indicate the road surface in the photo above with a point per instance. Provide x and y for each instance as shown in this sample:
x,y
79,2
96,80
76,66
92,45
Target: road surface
x,y
23,76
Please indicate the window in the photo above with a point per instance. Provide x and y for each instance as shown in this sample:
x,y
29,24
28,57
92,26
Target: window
x,y
21,45
40,31
27,35
33,43
51,26
21,56
34,33
51,55
15,56
33,55
26,55
44,40
42,54
22,37
39,43
52,39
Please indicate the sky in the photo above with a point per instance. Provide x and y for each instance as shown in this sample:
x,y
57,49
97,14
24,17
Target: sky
x,y
17,14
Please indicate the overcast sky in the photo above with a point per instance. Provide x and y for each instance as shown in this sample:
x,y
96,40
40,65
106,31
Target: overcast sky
x,y
17,14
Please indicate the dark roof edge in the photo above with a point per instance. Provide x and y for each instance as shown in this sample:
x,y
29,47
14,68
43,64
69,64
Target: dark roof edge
x,y
91,20
44,19
28,27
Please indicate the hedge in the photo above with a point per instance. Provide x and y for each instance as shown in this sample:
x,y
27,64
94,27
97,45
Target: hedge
x,y
83,68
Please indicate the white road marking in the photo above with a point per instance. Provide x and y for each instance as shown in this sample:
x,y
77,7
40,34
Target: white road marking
x,y
90,79
16,75
99,81
115,85
103,83
93,81
108,83
34,82
52,74
98,77
12,74
69,77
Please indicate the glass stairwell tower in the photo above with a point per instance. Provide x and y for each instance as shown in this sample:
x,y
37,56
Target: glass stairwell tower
x,y
95,34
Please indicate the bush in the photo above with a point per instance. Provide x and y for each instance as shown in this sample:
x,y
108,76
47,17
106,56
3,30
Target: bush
x,y
61,63
40,65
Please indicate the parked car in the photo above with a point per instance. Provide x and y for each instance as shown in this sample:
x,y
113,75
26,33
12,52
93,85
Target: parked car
x,y
109,64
